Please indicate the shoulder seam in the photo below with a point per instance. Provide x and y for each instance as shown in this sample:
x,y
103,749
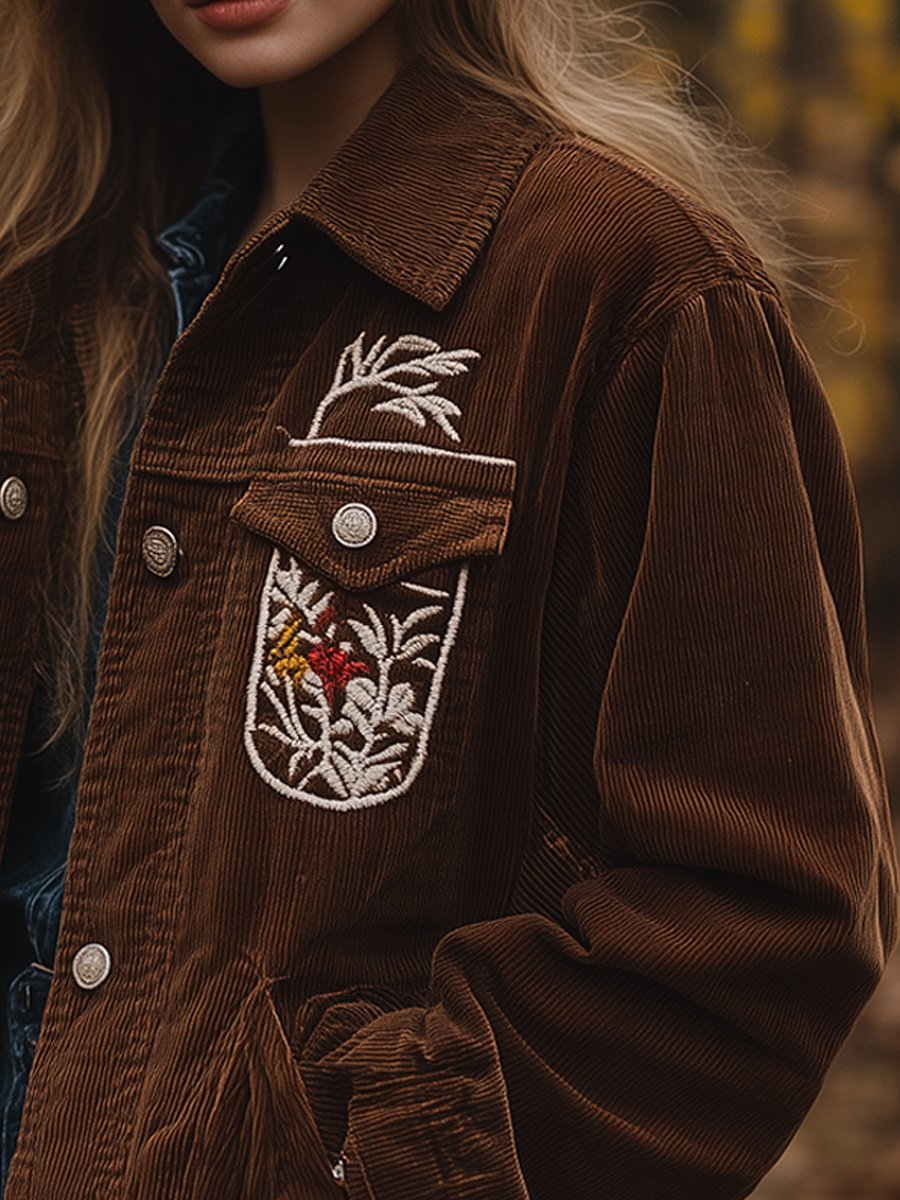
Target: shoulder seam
x,y
601,377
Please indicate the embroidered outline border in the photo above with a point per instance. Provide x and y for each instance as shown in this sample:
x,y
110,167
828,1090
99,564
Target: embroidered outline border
x,y
258,666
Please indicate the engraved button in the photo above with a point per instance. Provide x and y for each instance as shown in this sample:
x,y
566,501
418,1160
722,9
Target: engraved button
x,y
354,525
91,965
159,546
13,498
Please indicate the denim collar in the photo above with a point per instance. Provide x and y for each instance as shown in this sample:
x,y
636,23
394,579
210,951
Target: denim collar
x,y
200,242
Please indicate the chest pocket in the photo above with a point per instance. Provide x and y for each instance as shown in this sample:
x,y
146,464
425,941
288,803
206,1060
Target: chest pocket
x,y
361,606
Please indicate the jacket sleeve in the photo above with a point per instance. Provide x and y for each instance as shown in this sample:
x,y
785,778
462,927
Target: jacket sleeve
x,y
667,1036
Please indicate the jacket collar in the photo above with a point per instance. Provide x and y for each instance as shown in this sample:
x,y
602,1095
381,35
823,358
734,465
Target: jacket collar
x,y
416,189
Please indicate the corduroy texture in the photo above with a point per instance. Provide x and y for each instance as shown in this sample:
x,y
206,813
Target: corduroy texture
x,y
606,937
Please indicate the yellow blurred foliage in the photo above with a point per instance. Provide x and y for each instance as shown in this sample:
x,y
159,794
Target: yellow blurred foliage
x,y
816,83
758,25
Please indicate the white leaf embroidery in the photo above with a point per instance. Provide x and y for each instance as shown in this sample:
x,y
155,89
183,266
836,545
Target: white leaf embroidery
x,y
362,692
415,644
368,638
392,751
340,706
395,369
419,615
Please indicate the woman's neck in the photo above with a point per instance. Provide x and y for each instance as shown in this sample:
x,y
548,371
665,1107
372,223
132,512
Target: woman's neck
x,y
307,119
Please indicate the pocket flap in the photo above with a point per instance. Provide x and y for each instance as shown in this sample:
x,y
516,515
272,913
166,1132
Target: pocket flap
x,y
427,507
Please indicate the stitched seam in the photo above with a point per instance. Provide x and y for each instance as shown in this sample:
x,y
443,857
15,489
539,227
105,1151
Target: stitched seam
x,y
154,1029
603,374
526,148
336,485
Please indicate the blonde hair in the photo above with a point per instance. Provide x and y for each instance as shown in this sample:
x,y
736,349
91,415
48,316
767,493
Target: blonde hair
x,y
106,129
100,111
592,68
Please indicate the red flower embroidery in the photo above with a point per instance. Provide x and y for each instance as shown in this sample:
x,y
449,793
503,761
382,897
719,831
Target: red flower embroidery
x,y
335,668
324,619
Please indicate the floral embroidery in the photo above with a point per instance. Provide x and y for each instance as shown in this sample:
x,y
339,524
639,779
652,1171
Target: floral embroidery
x,y
342,696
333,665
285,656
410,356
335,668
339,710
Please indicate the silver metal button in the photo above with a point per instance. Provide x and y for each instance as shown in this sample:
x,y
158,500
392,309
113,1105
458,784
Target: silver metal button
x,y
159,546
338,1172
354,525
91,965
13,498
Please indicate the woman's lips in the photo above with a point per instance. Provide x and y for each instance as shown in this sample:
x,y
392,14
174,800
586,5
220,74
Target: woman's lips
x,y
236,14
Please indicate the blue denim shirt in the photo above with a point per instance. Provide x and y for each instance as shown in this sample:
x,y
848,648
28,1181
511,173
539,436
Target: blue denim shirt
x,y
32,870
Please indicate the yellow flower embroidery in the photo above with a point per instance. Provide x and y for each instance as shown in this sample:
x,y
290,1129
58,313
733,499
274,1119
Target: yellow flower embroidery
x,y
285,655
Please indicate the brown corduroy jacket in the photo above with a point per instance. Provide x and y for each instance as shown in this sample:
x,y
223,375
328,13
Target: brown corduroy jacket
x,y
481,783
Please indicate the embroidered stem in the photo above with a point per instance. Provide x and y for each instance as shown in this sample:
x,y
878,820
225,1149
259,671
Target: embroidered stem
x,y
419,403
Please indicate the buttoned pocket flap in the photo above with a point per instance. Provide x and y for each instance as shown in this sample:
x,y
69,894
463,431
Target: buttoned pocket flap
x,y
366,514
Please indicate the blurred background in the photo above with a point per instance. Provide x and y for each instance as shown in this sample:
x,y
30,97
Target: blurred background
x,y
816,83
